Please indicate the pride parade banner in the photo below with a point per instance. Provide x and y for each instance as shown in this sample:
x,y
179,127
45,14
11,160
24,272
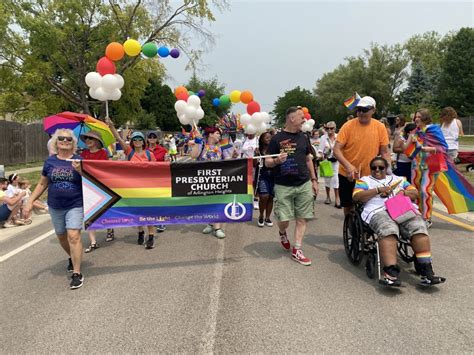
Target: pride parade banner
x,y
126,194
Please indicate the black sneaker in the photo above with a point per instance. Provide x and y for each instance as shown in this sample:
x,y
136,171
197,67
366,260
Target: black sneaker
x,y
141,238
150,243
390,276
260,222
70,267
160,228
428,278
77,281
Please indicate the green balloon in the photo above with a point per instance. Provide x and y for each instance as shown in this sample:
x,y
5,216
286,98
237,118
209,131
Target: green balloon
x,y
190,92
149,49
225,101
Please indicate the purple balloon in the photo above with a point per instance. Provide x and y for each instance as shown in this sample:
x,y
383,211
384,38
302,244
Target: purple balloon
x,y
174,52
201,93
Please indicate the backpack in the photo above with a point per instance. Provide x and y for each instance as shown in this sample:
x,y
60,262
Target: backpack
x,y
132,153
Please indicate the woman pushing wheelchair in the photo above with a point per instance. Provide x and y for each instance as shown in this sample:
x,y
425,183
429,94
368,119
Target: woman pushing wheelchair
x,y
390,214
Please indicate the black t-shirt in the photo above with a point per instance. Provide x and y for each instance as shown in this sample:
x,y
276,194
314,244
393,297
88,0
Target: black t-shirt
x,y
294,171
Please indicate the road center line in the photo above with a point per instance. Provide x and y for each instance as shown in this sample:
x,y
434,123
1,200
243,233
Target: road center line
x,y
26,246
209,337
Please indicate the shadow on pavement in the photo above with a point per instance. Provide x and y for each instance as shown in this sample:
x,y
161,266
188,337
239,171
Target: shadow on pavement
x,y
268,250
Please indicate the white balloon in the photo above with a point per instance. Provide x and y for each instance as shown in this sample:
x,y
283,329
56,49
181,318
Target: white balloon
x,y
194,101
115,95
92,93
266,117
190,112
199,113
93,80
250,129
184,120
261,128
109,82
257,118
180,106
101,94
311,122
120,81
245,119
306,127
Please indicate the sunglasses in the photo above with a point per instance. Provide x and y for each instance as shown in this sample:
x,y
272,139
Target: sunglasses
x,y
89,138
377,167
330,127
64,138
136,139
363,109
152,137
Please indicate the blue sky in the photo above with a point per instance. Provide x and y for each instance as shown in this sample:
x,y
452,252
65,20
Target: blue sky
x,y
270,47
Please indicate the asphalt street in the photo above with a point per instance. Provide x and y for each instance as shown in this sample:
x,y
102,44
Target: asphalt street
x,y
195,293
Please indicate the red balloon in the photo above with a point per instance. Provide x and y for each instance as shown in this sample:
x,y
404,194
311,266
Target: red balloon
x,y
105,66
307,116
182,96
253,107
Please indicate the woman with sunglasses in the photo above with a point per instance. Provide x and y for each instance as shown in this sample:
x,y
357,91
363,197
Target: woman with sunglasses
x,y
95,151
60,176
326,148
136,152
373,191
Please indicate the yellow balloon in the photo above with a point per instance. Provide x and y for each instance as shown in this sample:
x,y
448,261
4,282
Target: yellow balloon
x,y
235,96
132,47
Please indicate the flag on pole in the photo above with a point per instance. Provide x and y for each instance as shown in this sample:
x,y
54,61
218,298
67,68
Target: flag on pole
x,y
352,101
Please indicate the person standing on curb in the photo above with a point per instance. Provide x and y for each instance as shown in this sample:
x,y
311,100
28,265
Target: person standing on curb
x,y
296,182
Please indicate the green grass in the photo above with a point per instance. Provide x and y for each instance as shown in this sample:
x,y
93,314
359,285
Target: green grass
x,y
34,178
14,167
467,140
467,175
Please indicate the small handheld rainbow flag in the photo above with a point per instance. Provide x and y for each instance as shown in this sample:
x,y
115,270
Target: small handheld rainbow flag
x,y
352,101
226,143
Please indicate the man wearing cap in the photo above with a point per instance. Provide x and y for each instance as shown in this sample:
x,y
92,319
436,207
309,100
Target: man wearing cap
x,y
358,142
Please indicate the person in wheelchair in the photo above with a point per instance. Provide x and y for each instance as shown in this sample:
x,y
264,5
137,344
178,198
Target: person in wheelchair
x,y
372,191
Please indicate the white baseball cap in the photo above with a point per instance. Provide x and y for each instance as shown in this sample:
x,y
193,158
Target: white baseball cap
x,y
366,101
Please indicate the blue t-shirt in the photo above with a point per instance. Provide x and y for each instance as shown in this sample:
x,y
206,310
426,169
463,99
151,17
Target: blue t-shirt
x,y
64,183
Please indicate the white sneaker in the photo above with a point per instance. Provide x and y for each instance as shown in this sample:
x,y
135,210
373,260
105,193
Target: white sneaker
x,y
209,229
9,225
255,204
219,233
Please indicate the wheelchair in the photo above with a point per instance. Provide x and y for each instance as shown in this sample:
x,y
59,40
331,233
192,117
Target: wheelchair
x,y
360,240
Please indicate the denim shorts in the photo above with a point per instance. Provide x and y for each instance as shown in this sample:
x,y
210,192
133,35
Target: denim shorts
x,y
66,219
292,202
383,226
265,186
4,213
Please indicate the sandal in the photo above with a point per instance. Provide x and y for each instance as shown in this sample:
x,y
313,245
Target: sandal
x,y
91,248
328,201
110,235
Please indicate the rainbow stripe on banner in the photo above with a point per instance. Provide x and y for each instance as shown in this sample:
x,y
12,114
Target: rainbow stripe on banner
x,y
125,194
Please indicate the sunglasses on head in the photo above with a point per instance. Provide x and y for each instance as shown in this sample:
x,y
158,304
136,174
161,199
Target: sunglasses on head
x,y
64,138
363,109
377,167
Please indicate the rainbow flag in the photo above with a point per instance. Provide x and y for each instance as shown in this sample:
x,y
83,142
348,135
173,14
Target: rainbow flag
x,y
226,143
126,194
352,101
412,150
454,191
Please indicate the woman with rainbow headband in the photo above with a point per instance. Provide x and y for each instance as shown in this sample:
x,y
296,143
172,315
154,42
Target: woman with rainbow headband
x,y
452,188
210,149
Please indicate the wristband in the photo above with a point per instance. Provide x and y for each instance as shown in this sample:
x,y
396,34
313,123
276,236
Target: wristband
x,y
198,140
377,190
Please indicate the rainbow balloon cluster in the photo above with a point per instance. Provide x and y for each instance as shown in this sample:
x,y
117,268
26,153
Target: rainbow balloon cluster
x,y
104,84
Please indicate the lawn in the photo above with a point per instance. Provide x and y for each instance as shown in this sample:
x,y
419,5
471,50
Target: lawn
x,y
466,140
14,167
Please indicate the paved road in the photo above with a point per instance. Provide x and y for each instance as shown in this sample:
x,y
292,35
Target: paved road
x,y
194,293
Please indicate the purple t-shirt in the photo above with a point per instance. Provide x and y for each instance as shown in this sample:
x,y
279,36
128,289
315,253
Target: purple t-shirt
x,y
64,183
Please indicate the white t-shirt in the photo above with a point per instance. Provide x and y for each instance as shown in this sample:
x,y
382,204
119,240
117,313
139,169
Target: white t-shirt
x,y
377,203
12,191
172,144
451,134
248,147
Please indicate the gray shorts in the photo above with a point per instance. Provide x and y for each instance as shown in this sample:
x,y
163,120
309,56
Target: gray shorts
x,y
383,226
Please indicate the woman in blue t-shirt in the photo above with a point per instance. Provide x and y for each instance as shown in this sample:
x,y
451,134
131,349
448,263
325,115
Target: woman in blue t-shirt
x,y
64,186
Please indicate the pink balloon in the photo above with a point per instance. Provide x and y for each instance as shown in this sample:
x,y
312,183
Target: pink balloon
x,y
105,66
307,116
182,96
253,107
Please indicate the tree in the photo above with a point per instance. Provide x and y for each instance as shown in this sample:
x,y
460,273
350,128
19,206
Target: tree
x,y
159,102
379,72
293,97
49,47
457,76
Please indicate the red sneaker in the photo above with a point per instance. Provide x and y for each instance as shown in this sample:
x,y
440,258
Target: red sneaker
x,y
284,241
297,255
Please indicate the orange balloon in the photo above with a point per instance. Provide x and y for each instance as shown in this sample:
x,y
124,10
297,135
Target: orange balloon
x,y
114,51
180,90
305,110
246,97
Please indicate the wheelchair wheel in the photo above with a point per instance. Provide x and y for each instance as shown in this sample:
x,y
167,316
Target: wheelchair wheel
x,y
370,265
405,252
352,236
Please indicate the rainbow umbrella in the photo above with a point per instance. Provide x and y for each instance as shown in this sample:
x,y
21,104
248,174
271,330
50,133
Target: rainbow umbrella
x,y
79,123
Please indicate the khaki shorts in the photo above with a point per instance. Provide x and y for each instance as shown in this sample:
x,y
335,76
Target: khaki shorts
x,y
294,202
